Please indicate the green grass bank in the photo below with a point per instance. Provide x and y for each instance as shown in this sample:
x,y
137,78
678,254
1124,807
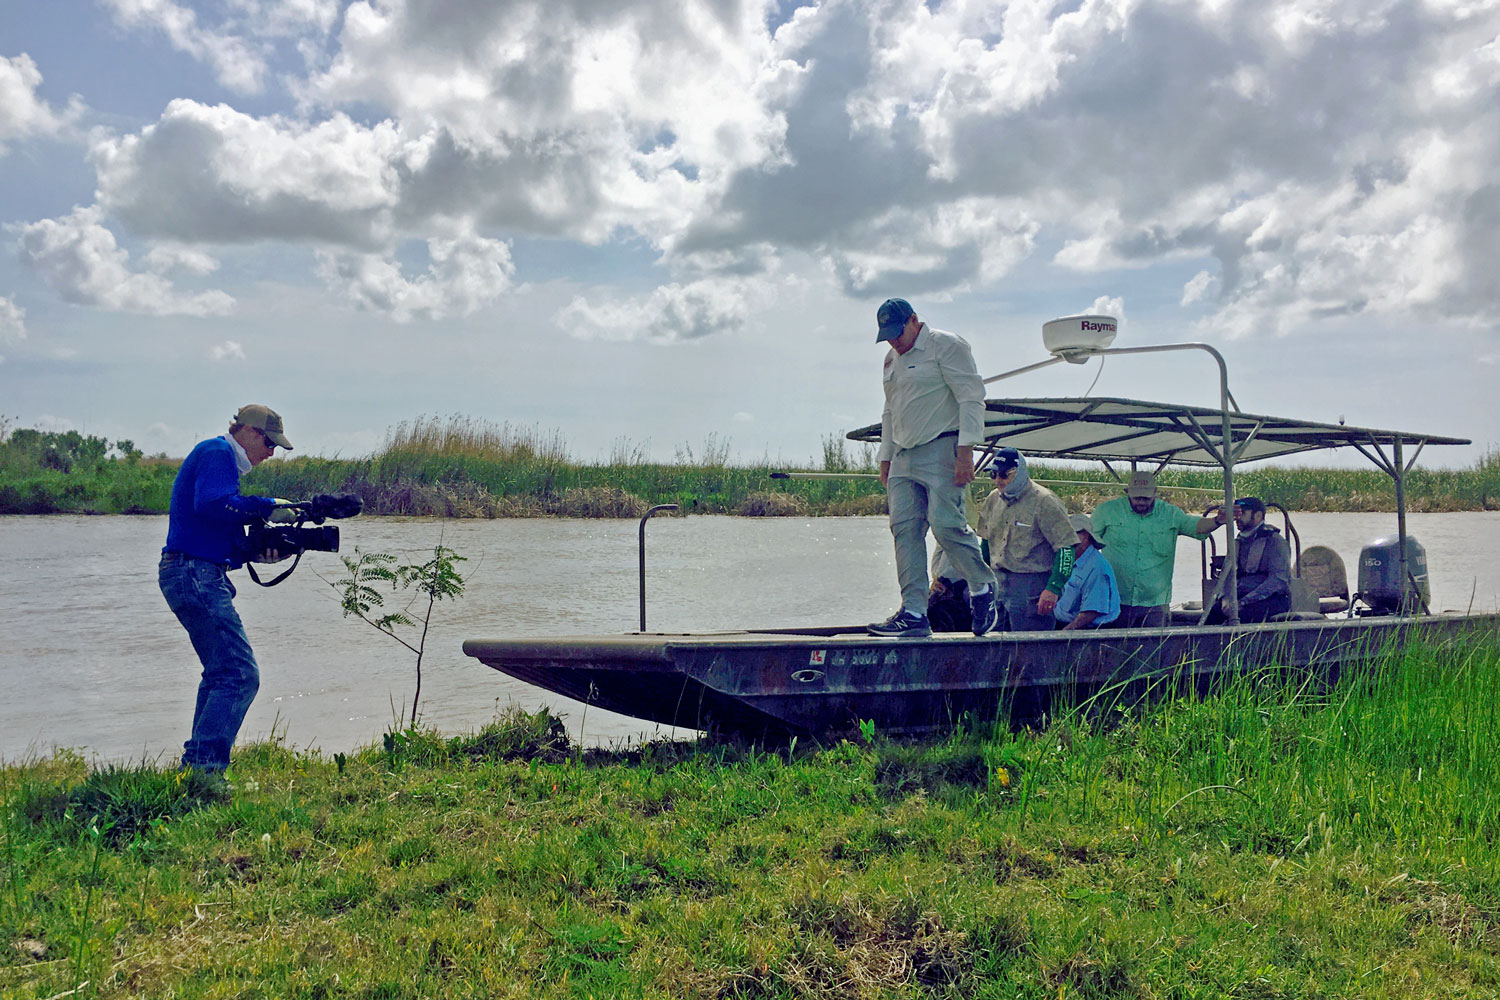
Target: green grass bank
x,y
466,468
1272,840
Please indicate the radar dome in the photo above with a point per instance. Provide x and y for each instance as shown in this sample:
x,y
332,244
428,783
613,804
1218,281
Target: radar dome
x,y
1073,337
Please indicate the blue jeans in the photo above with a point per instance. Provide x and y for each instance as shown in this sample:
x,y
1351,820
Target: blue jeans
x,y
201,596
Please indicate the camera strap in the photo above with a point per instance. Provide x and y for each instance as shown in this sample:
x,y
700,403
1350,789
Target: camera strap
x,y
251,567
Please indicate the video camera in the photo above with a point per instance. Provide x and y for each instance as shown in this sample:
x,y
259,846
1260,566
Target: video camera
x,y
296,538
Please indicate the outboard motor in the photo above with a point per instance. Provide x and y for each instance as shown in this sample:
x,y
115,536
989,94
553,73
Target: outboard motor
x,y
1380,576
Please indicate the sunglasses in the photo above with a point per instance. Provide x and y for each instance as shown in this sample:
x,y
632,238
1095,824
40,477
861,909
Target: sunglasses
x,y
270,445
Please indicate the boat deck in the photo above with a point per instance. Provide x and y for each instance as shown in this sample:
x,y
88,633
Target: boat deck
x,y
826,678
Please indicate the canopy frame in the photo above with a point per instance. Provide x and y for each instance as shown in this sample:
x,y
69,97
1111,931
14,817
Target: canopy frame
x,y
1240,438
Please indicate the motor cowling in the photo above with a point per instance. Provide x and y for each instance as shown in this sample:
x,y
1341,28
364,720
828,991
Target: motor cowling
x,y
1380,576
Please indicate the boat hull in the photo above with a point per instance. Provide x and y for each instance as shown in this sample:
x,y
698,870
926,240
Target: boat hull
x,y
820,680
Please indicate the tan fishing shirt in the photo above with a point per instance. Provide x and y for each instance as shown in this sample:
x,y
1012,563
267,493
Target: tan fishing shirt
x,y
930,390
1024,536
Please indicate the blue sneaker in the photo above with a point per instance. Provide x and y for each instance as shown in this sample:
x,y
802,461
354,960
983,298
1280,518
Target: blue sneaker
x,y
985,613
902,625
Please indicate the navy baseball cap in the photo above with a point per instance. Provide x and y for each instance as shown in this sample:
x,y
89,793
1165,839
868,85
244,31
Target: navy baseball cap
x,y
1251,504
892,316
1005,460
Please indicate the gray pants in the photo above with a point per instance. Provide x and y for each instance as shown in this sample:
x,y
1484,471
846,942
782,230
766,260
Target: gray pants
x,y
1018,592
920,492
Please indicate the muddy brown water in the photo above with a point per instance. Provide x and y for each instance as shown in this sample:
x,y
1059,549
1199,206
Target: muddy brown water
x,y
91,658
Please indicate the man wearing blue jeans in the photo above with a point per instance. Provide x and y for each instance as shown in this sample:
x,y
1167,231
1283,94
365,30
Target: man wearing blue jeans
x,y
932,421
205,539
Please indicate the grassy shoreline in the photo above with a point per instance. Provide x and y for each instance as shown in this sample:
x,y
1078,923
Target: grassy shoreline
x,y
1269,841
465,468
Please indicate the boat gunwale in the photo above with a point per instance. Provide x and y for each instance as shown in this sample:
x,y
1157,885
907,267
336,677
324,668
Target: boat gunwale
x,y
659,646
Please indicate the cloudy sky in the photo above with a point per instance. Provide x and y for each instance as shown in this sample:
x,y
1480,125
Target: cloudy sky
x,y
652,221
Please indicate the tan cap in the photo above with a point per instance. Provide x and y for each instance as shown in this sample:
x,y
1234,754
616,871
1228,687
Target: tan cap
x,y
265,419
1142,484
1082,522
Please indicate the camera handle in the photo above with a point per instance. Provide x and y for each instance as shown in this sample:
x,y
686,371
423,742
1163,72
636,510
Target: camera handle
x,y
288,572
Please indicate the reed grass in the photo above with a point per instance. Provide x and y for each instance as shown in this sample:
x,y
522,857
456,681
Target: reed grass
x,y
1272,837
460,466
463,467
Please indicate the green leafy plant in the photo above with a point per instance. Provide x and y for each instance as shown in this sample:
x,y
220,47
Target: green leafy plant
x,y
370,574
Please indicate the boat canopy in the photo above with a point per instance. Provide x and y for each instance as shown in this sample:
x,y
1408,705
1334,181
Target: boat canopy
x,y
1131,430
1107,430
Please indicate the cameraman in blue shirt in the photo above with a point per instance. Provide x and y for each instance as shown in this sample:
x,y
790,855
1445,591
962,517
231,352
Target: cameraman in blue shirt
x,y
205,540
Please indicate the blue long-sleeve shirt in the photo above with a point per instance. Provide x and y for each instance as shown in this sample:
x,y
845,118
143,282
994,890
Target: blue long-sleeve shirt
x,y
208,514
1090,587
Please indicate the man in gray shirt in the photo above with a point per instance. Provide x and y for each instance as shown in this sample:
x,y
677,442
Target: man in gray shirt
x,y
932,421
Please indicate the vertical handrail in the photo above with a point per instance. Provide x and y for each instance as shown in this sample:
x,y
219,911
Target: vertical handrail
x,y
1399,473
644,518
1228,590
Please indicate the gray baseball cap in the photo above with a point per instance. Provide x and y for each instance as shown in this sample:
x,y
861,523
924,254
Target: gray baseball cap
x,y
1142,484
265,420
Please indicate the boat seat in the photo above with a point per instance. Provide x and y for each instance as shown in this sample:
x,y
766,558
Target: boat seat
x,y
1302,597
1297,616
1322,570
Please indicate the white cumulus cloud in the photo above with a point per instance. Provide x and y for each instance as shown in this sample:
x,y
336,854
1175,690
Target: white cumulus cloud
x,y
465,274
239,64
1107,305
671,312
79,257
165,258
207,173
229,350
12,321
1307,158
1199,287
273,18
1331,156
22,112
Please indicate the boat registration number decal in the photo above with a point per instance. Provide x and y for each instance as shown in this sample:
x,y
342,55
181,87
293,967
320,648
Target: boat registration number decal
x,y
851,658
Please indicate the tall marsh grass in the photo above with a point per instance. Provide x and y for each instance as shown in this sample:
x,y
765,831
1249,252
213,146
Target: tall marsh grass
x,y
1274,759
460,466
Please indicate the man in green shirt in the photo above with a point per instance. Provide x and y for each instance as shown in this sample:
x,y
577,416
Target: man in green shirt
x,y
1140,536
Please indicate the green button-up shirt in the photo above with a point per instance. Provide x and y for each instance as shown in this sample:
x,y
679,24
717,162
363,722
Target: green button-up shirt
x,y
1142,547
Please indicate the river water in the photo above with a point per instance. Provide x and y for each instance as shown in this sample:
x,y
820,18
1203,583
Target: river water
x,y
91,658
